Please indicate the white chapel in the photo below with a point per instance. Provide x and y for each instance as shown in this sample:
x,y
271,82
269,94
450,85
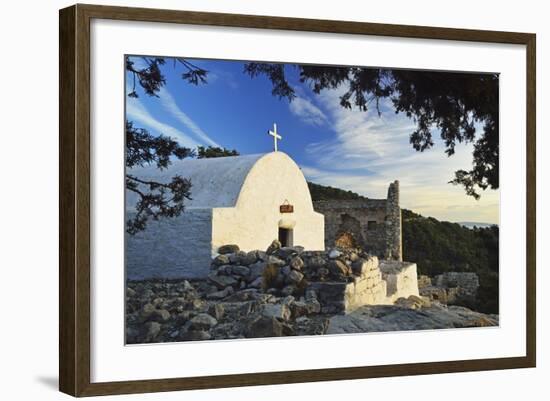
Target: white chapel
x,y
245,200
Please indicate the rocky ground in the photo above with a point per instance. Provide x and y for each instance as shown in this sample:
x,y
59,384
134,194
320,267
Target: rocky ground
x,y
266,294
398,318
182,310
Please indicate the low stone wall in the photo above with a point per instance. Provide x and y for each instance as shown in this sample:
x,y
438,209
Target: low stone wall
x,y
441,294
366,288
401,279
451,287
341,279
424,281
467,281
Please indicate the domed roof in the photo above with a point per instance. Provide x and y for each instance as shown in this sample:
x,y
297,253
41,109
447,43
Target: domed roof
x,y
215,182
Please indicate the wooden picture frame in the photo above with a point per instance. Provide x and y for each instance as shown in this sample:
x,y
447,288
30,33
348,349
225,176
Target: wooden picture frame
x,y
75,207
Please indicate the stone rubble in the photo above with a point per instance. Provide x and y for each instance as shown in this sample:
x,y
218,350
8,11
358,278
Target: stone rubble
x,y
283,291
453,288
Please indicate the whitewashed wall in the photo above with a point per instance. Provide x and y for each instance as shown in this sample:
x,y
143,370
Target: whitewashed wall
x,y
183,246
171,248
254,222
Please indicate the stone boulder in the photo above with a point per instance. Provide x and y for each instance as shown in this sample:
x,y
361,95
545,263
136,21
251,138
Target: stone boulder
x,y
222,281
394,318
203,321
275,245
296,263
230,248
151,331
264,326
278,311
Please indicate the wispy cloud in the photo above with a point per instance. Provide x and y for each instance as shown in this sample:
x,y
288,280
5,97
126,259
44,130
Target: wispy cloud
x,y
137,112
170,105
306,111
368,152
220,76
439,200
363,139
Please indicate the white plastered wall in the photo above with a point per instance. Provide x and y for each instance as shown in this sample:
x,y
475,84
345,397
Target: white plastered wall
x,y
254,222
176,247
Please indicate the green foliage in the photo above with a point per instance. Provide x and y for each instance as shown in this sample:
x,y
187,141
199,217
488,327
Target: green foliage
x,y
276,74
449,102
150,76
322,192
155,199
214,151
142,148
439,246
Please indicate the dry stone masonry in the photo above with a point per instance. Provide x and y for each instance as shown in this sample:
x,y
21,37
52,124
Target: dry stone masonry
x,y
342,279
401,279
371,224
359,284
234,199
286,291
450,287
205,274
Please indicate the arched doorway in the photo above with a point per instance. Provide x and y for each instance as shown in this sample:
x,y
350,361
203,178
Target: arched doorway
x,y
345,239
349,233
286,232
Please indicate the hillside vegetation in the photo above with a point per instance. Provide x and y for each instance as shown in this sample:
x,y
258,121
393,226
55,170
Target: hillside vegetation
x,y
441,246
322,192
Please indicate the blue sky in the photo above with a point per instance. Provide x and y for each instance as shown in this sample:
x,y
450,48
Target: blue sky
x,y
349,149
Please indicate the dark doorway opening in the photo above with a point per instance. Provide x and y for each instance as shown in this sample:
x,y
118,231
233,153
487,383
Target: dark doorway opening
x,y
285,236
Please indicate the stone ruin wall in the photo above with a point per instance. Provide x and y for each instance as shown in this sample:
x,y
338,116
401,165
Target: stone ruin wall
x,y
394,245
450,287
373,224
340,281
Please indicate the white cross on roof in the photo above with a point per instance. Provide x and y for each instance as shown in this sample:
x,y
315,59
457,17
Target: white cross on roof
x,y
275,136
